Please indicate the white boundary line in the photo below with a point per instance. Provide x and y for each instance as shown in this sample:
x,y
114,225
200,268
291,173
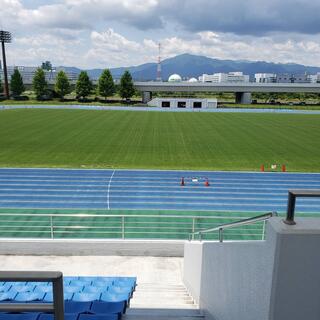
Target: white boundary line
x,y
109,186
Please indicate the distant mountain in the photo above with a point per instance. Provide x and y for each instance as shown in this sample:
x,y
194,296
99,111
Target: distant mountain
x,y
187,66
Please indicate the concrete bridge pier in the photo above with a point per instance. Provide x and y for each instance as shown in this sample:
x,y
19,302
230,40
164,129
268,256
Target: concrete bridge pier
x,y
146,96
243,98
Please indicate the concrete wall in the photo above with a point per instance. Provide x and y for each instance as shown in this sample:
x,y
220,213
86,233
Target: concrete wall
x,y
193,269
276,279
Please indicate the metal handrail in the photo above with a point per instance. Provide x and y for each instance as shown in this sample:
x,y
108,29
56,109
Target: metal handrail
x,y
56,307
292,195
243,222
118,225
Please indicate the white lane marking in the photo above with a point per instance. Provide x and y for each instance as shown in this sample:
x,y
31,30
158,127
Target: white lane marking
x,y
109,186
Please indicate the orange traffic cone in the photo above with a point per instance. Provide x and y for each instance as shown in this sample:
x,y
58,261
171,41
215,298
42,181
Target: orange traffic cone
x,y
262,168
284,169
182,182
207,184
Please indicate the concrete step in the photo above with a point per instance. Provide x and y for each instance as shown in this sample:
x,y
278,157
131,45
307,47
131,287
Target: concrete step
x,y
162,314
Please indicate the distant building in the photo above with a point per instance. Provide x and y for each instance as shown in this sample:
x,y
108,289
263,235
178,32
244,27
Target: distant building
x,y
265,77
315,78
293,78
183,103
27,73
231,77
175,78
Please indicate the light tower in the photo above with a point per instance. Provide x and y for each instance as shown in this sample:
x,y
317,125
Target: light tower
x,y
5,37
159,71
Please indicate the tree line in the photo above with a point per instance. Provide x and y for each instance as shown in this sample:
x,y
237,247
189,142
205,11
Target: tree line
x,y
83,88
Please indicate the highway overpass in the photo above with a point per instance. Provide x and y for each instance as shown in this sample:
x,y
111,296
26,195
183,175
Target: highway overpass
x,y
242,91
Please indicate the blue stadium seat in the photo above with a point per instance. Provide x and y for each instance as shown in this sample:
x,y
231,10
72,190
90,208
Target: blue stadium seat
x,y
93,289
8,296
72,289
29,296
98,317
82,297
108,307
19,316
22,288
67,316
5,287
77,307
81,283
43,288
49,296
120,290
102,283
107,297
70,278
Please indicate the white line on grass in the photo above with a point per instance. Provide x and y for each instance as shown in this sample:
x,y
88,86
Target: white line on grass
x,y
109,186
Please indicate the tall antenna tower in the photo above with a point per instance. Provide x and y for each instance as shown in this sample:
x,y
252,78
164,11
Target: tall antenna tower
x,y
159,69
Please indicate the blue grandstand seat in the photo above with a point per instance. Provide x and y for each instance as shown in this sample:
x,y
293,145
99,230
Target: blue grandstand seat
x,y
120,290
80,283
29,296
67,316
19,316
8,296
72,289
108,307
82,297
5,287
102,283
93,289
70,278
43,288
98,317
49,296
22,288
77,307
114,297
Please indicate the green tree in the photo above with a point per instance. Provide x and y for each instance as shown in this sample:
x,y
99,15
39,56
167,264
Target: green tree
x,y
47,65
62,85
84,85
16,83
39,83
126,86
106,87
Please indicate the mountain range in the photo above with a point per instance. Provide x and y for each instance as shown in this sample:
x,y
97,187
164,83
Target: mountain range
x,y
187,66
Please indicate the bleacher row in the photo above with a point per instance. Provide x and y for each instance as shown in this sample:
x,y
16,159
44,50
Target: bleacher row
x,y
86,298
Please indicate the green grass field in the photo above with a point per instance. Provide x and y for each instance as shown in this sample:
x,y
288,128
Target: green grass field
x,y
125,139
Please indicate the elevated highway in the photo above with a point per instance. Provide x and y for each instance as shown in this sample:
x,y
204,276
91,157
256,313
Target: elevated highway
x,y
242,91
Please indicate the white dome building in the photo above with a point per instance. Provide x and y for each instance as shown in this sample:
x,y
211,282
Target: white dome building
x,y
175,78
193,80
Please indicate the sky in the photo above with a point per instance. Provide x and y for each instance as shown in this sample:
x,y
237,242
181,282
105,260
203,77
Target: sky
x,y
112,33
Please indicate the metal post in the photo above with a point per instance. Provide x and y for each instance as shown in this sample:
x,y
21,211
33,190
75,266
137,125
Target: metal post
x,y
263,230
51,227
123,231
193,227
5,71
290,210
221,234
58,298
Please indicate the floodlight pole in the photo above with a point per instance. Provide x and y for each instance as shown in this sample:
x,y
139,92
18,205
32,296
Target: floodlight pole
x,y
5,71
5,37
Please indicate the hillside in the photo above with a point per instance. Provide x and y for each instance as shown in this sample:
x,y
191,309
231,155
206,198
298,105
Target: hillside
x,y
193,66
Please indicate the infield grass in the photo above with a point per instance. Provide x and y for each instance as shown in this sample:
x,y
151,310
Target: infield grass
x,y
158,140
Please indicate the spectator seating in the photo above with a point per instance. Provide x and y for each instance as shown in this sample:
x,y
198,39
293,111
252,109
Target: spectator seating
x,y
86,298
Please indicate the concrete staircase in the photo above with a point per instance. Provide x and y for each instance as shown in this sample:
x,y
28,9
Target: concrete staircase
x,y
162,302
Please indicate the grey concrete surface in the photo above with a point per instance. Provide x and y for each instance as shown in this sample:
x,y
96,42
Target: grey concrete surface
x,y
63,247
166,271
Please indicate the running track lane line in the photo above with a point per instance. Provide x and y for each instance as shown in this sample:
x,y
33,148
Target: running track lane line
x,y
109,186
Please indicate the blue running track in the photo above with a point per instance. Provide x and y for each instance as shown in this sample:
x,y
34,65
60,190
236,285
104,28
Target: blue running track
x,y
153,190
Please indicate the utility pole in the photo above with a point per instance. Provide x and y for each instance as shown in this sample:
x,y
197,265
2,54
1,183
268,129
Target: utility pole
x,y
5,37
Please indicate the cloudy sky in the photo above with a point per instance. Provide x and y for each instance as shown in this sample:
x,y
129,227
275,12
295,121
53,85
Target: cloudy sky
x,y
111,33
